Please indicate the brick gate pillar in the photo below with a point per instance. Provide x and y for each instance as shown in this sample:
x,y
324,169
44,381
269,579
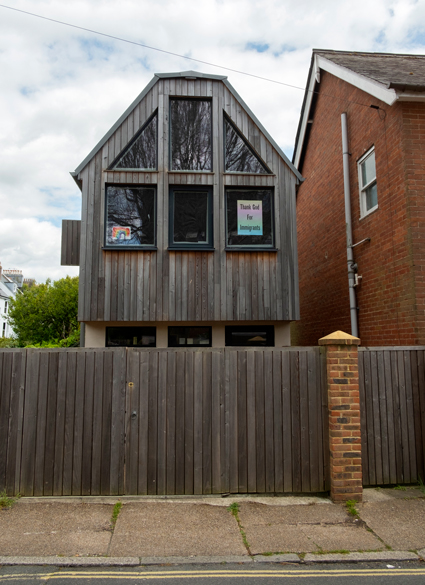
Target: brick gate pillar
x,y
344,416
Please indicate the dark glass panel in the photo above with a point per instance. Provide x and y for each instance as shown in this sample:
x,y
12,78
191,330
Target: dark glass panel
x,y
190,216
191,129
189,336
142,153
239,156
130,215
249,217
131,337
250,335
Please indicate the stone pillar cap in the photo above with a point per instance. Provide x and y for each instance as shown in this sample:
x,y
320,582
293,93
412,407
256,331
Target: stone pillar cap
x,y
339,338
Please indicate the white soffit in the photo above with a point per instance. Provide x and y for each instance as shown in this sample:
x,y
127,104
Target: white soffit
x,y
370,86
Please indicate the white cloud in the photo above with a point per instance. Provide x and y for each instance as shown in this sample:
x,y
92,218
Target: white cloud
x,y
63,88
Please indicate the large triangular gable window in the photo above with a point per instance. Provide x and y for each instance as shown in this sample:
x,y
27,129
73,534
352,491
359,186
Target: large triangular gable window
x,y
141,153
239,156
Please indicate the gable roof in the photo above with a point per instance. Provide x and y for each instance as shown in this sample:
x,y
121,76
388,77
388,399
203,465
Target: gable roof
x,y
186,75
385,76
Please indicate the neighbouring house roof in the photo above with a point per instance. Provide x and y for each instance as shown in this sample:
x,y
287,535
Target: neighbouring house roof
x,y
187,75
385,76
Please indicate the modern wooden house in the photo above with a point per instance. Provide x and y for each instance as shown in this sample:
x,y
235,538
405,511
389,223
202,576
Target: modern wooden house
x,y
188,230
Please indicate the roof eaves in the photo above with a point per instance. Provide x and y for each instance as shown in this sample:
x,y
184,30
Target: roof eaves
x,y
263,130
313,75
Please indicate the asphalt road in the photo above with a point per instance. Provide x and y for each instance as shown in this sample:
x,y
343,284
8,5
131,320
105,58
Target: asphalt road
x,y
411,573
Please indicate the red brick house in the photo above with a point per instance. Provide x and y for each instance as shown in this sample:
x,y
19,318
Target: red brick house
x,y
383,97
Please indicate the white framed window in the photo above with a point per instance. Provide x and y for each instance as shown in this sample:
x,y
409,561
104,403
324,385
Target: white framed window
x,y
367,183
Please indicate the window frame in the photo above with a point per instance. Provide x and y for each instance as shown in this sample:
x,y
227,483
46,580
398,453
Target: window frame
x,y
362,188
270,329
251,247
227,119
139,247
130,327
209,244
190,327
112,166
170,143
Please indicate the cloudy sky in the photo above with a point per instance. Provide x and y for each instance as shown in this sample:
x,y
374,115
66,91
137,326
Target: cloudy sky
x,y
62,88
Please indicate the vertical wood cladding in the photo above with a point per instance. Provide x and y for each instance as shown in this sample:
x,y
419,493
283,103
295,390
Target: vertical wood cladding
x,y
184,285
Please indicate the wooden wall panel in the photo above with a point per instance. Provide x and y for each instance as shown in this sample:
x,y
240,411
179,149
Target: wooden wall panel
x,y
181,285
70,244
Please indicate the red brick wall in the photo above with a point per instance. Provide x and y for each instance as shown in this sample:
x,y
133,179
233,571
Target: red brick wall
x,y
388,314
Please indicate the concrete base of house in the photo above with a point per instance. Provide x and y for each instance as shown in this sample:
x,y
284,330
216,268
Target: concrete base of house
x,y
95,332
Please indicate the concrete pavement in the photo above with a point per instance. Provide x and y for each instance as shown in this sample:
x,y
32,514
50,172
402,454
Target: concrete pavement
x,y
390,526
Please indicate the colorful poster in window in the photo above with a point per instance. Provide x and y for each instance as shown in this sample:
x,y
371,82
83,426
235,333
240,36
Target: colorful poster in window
x,y
250,218
120,233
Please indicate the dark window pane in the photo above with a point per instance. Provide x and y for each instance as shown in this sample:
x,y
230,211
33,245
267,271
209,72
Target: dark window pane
x,y
250,335
190,216
141,154
131,337
239,156
250,217
191,135
130,215
189,336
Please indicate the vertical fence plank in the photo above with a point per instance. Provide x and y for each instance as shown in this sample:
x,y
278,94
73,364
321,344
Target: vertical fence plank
x,y
118,422
16,406
363,428
390,418
188,425
295,422
29,430
78,424
6,361
286,422
206,421
314,410
105,476
241,390
51,420
180,422
171,424
260,422
98,393
251,423
143,420
304,423
216,401
383,417
232,427
153,423
411,453
40,441
87,458
197,424
277,420
59,440
268,418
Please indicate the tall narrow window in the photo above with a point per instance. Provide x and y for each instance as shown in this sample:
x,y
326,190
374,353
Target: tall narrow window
x,y
367,183
239,156
130,216
141,153
190,218
190,135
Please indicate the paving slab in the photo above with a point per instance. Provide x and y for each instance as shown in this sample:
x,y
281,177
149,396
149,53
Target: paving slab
x,y
303,529
400,523
387,555
342,537
159,529
55,529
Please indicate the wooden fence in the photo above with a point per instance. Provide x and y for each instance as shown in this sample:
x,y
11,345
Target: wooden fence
x,y
392,404
162,421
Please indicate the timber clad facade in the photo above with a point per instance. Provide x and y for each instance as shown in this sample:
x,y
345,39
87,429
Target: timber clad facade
x,y
223,277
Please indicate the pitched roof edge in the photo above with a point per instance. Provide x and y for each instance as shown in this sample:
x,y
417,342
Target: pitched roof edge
x,y
190,74
319,61
263,130
120,120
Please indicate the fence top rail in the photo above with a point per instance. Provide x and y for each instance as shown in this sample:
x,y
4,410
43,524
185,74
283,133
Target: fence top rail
x,y
394,348
159,349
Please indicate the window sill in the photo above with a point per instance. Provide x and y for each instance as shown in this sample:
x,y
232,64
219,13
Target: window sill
x,y
191,172
241,173
249,249
129,248
190,248
369,212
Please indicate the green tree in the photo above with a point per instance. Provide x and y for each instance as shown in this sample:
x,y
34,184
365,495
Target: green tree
x,y
46,314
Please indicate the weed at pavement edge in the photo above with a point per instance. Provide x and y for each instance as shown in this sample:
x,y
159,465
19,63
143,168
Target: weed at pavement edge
x,y
6,501
115,514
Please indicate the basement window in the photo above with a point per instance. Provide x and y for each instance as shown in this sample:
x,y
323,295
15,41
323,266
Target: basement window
x,y
131,337
250,335
187,336
367,183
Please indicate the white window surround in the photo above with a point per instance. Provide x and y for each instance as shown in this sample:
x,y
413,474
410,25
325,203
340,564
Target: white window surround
x,y
366,168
